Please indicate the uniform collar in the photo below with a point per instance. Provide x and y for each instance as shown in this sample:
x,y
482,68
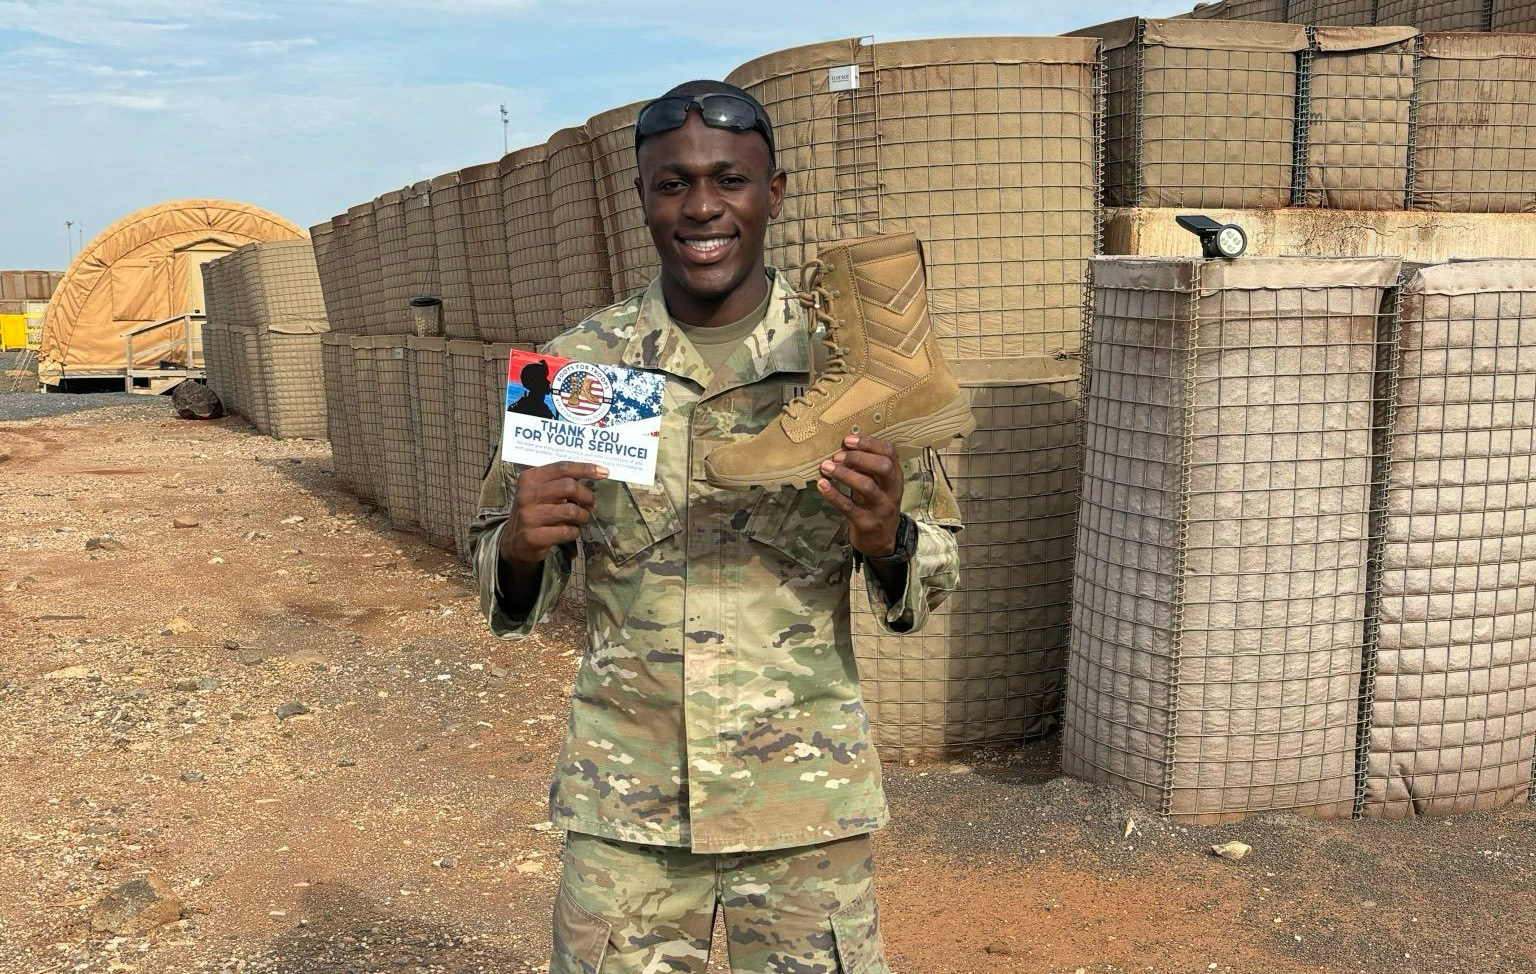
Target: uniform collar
x,y
779,344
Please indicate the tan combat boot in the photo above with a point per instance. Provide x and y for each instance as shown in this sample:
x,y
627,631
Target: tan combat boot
x,y
884,376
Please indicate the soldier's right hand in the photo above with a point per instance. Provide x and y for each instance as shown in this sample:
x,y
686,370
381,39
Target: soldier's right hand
x,y
551,504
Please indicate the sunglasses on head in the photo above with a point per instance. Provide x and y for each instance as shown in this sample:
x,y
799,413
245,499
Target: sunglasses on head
x,y
721,110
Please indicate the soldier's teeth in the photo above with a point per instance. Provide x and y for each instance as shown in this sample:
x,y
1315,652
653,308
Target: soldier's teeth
x,y
705,246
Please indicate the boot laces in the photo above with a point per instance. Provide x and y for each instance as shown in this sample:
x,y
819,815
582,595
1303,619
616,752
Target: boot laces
x,y
815,296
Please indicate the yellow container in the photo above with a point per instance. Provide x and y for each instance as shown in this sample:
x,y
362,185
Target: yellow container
x,y
13,331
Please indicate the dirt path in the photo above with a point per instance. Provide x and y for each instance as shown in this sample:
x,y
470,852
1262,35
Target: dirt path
x,y
398,824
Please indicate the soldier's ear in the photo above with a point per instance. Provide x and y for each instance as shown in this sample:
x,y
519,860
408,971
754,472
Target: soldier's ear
x,y
776,187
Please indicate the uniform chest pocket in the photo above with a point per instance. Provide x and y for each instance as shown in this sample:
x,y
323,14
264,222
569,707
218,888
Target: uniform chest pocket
x,y
627,519
800,525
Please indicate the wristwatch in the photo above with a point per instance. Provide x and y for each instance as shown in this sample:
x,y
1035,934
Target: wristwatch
x,y
906,545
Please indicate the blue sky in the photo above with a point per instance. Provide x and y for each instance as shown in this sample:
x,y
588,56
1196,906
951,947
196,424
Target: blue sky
x,y
308,106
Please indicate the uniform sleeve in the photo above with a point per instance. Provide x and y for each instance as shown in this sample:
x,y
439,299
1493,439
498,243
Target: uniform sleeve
x,y
496,493
934,571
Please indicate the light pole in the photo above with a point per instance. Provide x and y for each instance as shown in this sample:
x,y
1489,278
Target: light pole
x,y
69,240
504,122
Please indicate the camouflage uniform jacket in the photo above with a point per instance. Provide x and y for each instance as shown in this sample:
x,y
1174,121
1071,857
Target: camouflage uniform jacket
x,y
717,704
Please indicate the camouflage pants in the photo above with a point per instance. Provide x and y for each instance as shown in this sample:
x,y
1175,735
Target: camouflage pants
x,y
624,908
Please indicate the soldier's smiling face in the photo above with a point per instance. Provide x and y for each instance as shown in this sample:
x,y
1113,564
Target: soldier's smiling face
x,y
708,195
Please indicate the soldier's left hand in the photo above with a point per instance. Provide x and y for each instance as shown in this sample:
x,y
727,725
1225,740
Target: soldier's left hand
x,y
868,468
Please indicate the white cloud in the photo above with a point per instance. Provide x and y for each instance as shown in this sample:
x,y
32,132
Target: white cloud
x,y
263,48
112,99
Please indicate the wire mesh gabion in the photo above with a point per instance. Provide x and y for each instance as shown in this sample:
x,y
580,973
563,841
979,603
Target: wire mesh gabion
x,y
395,280
985,147
1517,18
988,667
1332,13
420,241
1475,127
535,268
1359,112
1199,114
366,352
366,269
1270,10
472,446
490,278
393,390
586,282
1433,15
433,437
1453,691
631,257
336,359
1223,542
452,257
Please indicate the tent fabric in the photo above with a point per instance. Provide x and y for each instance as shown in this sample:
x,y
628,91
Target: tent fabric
x,y
1199,112
1359,110
586,283
142,261
1224,532
428,360
1475,132
989,666
631,258
490,279
1453,713
531,255
452,257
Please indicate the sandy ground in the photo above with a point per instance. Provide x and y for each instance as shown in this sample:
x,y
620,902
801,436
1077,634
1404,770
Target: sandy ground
x,y
398,824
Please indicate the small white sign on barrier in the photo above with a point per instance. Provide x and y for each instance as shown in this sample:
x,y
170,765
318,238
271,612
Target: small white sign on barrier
x,y
844,77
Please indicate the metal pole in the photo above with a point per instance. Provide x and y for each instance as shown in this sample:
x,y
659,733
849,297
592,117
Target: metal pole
x,y
69,241
504,123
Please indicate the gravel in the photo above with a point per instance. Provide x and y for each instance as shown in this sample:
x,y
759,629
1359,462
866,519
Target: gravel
x,y
42,405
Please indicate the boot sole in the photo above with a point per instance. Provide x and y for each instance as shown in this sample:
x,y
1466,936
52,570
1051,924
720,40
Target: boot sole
x,y
910,438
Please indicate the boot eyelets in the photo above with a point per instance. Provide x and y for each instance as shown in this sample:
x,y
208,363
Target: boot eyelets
x,y
854,428
879,419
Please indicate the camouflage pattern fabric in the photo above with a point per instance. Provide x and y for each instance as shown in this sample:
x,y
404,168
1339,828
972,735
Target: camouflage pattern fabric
x,y
717,706
625,908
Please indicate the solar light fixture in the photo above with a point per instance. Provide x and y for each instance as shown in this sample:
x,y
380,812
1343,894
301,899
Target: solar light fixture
x,y
1216,239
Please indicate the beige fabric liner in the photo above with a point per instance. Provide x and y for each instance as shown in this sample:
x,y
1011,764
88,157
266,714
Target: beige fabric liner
x,y
485,234
393,291
1432,14
1453,724
1475,135
1270,10
367,351
989,666
1332,13
458,314
1360,105
1516,17
631,257
1223,533
368,269
586,281
531,256
147,255
335,357
392,391
420,243
434,442
472,446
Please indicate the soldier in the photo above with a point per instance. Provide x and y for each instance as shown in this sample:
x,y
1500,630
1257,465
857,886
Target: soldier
x,y
717,753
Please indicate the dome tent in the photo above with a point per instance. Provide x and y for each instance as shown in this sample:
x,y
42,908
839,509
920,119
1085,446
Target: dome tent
x,y
139,270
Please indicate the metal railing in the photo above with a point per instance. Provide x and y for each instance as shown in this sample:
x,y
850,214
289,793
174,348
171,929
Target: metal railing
x,y
189,342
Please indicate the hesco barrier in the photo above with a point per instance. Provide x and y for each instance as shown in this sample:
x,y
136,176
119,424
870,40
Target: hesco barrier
x,y
1359,107
472,446
452,257
490,278
985,147
266,315
1221,595
1199,113
988,667
586,284
367,350
433,442
393,389
1515,17
1270,10
363,257
420,242
393,314
631,258
339,278
336,359
1332,13
1453,697
1429,15
531,254
1475,129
